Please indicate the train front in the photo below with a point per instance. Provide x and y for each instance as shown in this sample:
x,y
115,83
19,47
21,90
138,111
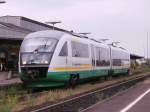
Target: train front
x,y
35,55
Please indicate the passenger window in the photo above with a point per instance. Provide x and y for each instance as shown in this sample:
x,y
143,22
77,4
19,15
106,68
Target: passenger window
x,y
102,57
79,50
64,50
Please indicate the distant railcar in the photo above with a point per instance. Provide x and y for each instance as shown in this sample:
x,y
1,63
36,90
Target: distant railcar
x,y
53,58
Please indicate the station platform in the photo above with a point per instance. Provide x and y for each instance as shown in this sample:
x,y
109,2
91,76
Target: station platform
x,y
6,80
135,99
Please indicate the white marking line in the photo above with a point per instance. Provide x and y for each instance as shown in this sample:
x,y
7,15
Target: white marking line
x,y
135,101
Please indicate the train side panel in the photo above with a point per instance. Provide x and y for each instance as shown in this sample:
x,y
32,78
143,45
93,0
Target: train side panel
x,y
80,60
120,61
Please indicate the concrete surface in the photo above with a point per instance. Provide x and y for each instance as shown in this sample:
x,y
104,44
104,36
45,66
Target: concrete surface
x,y
5,79
128,101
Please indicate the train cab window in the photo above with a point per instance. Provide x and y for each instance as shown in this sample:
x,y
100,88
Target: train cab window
x,y
79,50
64,50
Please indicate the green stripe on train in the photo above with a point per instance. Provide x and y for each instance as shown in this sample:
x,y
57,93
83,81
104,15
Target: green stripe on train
x,y
54,79
120,71
64,76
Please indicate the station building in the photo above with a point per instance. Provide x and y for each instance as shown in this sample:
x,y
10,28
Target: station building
x,y
13,29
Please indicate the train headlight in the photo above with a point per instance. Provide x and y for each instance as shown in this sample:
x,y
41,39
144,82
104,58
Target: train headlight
x,y
24,62
46,62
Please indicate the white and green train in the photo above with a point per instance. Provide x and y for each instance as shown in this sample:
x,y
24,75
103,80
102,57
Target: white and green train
x,y
53,58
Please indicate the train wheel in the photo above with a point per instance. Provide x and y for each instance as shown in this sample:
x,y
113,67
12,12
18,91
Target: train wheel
x,y
72,81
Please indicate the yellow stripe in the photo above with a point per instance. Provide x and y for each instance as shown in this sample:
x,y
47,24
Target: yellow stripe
x,y
71,68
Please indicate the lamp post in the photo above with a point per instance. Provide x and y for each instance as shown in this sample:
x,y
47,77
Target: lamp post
x,y
53,23
147,45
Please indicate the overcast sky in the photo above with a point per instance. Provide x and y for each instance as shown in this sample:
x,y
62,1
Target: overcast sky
x,y
127,21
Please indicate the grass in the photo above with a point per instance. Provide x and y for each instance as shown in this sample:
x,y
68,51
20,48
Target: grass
x,y
139,70
30,101
5,108
47,96
8,103
14,90
9,97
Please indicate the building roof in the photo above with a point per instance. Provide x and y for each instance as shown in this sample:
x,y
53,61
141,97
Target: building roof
x,y
40,23
30,20
12,27
134,56
10,31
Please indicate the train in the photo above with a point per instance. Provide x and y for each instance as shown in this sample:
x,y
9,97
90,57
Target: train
x,y
54,58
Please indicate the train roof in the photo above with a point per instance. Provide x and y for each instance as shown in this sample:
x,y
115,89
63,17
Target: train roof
x,y
58,34
46,33
119,49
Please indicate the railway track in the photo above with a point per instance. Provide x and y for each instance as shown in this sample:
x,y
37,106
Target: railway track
x,y
82,101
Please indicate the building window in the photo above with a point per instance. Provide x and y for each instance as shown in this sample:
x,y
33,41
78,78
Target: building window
x,y
80,50
64,50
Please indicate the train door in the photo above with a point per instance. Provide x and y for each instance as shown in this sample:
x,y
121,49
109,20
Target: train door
x,y
80,59
69,57
63,55
93,61
110,58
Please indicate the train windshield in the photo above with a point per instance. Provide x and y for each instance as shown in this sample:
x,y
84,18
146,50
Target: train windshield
x,y
38,44
37,50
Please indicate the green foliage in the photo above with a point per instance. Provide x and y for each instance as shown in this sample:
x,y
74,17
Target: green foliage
x,y
134,65
47,97
8,103
30,101
5,108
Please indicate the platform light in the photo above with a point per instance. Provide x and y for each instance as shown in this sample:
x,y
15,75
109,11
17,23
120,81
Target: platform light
x,y
53,23
104,40
85,33
114,43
